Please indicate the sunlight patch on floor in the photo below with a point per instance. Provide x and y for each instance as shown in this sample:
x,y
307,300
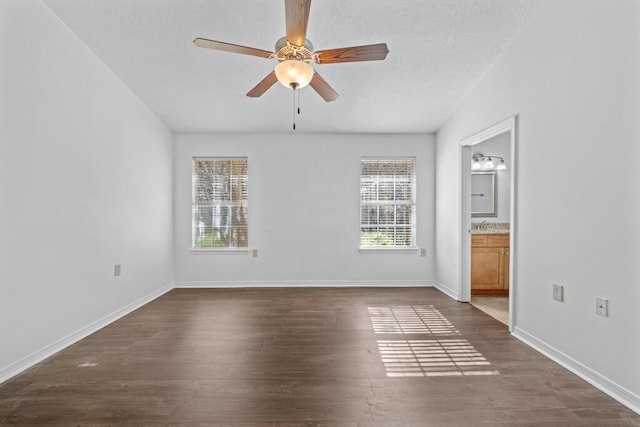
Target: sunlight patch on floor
x,y
453,356
428,358
410,319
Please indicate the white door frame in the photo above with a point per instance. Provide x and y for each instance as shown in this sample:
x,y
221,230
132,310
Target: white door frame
x,y
508,125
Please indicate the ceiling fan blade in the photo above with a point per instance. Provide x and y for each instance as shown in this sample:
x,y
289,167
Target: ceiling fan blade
x,y
321,86
264,84
234,48
370,52
297,17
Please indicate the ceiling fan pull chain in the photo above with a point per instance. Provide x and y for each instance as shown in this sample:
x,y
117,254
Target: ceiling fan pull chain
x,y
298,101
294,108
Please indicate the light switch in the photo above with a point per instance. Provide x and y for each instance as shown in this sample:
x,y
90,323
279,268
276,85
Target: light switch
x,y
558,292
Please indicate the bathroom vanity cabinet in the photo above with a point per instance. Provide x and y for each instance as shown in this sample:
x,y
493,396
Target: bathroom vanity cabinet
x,y
490,264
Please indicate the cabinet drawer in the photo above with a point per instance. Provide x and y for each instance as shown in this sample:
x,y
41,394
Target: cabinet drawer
x,y
498,240
479,240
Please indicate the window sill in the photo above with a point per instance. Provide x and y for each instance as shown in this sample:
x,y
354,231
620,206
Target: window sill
x,y
387,250
221,251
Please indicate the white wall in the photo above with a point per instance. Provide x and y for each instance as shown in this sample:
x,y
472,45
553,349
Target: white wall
x,y
499,146
572,79
85,182
303,210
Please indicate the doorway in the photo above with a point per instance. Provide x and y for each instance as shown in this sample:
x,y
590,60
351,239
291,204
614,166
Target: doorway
x,y
490,234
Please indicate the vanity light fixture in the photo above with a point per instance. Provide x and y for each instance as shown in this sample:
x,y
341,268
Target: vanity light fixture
x,y
488,164
481,162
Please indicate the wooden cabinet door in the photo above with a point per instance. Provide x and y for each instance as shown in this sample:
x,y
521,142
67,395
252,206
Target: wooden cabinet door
x,y
487,268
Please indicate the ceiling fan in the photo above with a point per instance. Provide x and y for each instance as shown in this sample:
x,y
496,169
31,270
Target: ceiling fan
x,y
294,54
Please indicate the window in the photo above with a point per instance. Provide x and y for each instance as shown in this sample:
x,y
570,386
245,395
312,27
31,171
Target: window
x,y
387,203
219,203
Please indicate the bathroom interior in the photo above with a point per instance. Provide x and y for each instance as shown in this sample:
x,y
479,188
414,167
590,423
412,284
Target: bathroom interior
x,y
491,226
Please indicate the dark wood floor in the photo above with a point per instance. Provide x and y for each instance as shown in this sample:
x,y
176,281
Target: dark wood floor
x,y
288,357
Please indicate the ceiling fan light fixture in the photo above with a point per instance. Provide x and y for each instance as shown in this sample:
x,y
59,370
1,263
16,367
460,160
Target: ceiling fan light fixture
x,y
294,73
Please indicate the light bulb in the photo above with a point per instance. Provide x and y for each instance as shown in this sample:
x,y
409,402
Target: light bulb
x,y
294,73
488,164
502,166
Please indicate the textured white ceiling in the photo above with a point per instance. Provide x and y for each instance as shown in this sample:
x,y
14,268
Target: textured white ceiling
x,y
438,51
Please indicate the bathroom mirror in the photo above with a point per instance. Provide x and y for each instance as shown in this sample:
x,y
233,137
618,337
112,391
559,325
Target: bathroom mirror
x,y
484,200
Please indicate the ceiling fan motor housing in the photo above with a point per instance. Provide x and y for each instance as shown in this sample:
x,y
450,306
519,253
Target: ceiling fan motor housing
x,y
285,50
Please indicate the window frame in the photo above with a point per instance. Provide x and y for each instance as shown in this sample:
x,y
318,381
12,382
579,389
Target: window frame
x,y
219,249
413,248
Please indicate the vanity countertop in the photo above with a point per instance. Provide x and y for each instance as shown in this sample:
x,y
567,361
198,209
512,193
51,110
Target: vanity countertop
x,y
490,228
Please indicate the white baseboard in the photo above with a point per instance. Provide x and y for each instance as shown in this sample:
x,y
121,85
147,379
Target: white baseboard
x,y
307,284
453,293
28,361
616,391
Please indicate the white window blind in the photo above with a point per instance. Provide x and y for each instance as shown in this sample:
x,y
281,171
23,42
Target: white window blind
x,y
219,203
387,203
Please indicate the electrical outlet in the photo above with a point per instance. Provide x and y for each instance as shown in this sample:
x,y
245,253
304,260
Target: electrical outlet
x,y
558,292
254,253
602,306
423,252
117,269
